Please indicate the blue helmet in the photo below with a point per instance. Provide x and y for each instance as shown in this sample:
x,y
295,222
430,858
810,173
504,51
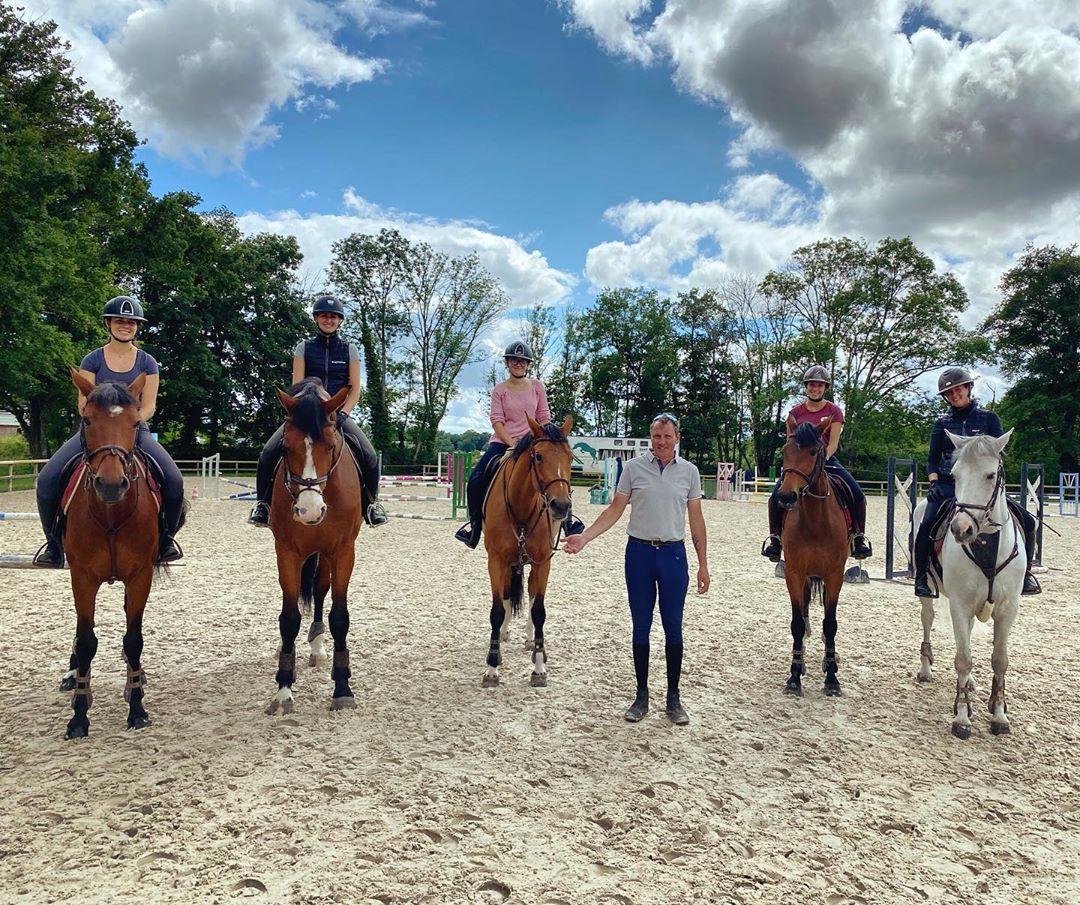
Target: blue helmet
x,y
125,306
328,304
518,349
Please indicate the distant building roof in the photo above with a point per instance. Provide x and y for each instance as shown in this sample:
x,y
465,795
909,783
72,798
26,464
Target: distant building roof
x,y
8,420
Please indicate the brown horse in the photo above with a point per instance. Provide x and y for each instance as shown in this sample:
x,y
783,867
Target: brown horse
x,y
315,517
815,540
523,514
111,533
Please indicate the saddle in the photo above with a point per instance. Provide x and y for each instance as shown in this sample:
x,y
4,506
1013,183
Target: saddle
x,y
489,478
843,496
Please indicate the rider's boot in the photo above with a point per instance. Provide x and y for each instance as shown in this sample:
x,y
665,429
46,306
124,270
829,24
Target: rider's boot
x,y
374,514
264,488
1031,583
635,713
172,517
673,654
921,557
51,555
772,549
860,546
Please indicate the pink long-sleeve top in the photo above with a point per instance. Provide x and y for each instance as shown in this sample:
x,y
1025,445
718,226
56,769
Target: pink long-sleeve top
x,y
514,409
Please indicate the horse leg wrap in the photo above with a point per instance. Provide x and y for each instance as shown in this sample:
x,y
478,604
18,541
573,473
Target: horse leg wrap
x,y
961,697
829,660
136,678
82,689
341,661
494,657
316,629
924,650
997,688
798,668
286,668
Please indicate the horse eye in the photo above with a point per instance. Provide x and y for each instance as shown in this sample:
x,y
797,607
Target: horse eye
x,y
539,458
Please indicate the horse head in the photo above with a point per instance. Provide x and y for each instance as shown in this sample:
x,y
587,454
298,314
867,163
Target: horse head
x,y
804,462
110,424
313,446
550,458
979,472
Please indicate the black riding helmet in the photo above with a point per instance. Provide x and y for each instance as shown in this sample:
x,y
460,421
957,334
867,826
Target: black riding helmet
x,y
953,377
328,304
518,349
124,306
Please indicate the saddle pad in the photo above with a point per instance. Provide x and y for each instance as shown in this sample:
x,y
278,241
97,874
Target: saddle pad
x,y
843,496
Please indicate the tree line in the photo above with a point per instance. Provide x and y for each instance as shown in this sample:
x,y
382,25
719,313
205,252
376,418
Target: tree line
x,y
81,224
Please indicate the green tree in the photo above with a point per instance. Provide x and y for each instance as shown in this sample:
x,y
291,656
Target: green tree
x,y
66,172
1036,336
570,372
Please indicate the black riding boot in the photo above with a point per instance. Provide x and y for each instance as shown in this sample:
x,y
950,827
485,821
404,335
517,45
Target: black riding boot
x,y
475,490
635,713
374,514
675,710
921,556
51,555
264,488
1031,583
771,549
860,546
172,517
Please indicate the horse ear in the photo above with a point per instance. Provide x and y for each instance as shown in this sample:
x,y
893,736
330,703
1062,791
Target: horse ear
x,y
958,440
534,426
290,402
568,423
824,425
136,386
83,385
1000,442
336,401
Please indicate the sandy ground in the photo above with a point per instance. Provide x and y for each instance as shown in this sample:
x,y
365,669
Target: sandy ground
x,y
434,790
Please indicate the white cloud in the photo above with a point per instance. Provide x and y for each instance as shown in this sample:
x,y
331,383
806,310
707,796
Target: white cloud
x,y
963,135
202,78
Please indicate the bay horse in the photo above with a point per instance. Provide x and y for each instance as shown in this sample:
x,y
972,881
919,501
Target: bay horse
x,y
110,534
315,516
815,541
983,559
523,514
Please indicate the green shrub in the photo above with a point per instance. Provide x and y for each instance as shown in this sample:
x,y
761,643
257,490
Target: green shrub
x,y
14,447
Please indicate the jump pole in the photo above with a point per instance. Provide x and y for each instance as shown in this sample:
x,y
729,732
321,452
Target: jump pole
x,y
1032,490
1068,494
907,491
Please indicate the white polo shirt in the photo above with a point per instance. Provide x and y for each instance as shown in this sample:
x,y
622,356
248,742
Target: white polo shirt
x,y
658,497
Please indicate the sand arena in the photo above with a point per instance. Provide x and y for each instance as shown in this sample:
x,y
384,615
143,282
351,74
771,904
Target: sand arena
x,y
437,791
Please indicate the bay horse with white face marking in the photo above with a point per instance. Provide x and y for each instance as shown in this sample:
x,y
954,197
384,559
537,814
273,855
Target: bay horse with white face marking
x,y
315,518
110,534
815,540
523,514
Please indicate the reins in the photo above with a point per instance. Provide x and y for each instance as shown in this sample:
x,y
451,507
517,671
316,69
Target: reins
x,y
523,527
969,509
815,475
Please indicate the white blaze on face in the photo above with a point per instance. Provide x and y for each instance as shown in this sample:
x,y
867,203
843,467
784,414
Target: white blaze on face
x,y
310,507
115,410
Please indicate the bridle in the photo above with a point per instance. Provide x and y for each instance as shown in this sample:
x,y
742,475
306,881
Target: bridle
x,y
525,527
812,478
983,520
125,455
296,484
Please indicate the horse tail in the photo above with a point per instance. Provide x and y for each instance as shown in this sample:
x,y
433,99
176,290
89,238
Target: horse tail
x,y
308,575
516,583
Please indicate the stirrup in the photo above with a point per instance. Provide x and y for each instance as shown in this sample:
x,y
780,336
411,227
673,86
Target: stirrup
x,y
1031,586
772,548
860,546
260,515
466,535
572,525
375,515
170,551
923,589
49,556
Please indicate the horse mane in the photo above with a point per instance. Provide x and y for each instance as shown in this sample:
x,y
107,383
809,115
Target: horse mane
x,y
110,393
980,445
550,432
806,436
309,415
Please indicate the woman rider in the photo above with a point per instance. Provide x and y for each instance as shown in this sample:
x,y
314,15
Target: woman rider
x,y
513,402
966,419
119,360
815,409
336,363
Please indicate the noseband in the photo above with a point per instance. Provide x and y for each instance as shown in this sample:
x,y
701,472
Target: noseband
x,y
812,478
125,455
296,484
980,515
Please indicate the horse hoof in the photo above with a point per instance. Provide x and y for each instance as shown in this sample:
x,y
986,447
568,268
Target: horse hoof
x,y
1000,728
536,680
961,731
343,703
924,677
77,731
489,682
140,722
67,683
832,691
316,661
793,688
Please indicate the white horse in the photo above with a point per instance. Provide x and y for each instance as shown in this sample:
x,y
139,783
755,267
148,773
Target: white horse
x,y
989,588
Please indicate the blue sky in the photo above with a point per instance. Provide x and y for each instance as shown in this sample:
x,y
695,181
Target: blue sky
x,y
577,144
